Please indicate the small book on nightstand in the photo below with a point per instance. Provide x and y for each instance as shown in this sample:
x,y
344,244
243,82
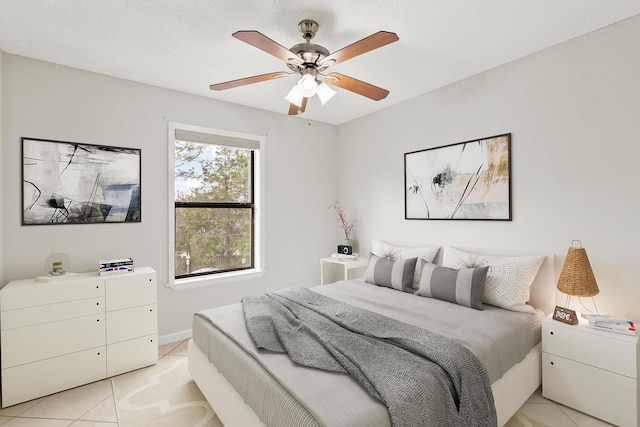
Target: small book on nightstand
x,y
610,323
344,257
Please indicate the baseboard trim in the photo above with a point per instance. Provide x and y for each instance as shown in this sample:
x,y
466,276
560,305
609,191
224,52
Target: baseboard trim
x,y
176,336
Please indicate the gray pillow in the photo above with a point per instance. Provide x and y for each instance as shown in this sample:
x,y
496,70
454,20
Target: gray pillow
x,y
391,251
396,274
463,287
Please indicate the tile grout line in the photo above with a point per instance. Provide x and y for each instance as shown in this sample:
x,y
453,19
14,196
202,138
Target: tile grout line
x,y
115,400
177,344
112,397
567,415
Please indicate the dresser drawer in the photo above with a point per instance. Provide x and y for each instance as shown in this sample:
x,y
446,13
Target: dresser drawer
x,y
606,350
131,323
30,293
606,395
131,289
19,318
119,358
32,343
26,382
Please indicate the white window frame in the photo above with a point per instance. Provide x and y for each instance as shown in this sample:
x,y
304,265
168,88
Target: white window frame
x,y
259,182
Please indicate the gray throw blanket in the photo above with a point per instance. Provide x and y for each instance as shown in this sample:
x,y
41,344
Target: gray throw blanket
x,y
423,378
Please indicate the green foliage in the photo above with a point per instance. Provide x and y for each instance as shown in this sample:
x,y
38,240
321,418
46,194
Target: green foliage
x,y
212,237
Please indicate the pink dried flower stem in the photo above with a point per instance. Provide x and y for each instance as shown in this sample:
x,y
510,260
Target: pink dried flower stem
x,y
342,220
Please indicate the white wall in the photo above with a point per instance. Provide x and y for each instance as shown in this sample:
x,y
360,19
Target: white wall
x,y
572,110
43,100
573,114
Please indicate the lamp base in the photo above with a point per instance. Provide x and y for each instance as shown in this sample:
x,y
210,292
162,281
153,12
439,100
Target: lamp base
x,y
565,315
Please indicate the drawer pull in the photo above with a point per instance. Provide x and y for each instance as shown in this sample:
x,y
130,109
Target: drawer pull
x,y
551,363
551,332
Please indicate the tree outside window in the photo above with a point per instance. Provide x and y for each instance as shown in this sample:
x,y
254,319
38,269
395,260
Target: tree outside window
x,y
214,208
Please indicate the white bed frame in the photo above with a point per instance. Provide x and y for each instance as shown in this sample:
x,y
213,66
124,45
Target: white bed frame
x,y
509,392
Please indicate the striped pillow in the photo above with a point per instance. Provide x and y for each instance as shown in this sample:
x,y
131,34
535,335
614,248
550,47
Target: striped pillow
x,y
396,274
391,251
463,287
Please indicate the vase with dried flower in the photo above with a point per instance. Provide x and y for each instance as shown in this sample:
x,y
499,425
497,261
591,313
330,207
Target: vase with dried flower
x,y
343,223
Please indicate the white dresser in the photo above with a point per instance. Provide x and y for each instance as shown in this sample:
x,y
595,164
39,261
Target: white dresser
x,y
593,371
63,332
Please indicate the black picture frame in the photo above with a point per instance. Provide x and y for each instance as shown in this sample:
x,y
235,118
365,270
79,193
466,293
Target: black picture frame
x,y
76,183
468,180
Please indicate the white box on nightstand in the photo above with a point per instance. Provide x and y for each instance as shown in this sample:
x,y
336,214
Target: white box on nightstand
x,y
595,372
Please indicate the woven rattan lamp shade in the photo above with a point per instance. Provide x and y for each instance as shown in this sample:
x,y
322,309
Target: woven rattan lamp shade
x,y
576,278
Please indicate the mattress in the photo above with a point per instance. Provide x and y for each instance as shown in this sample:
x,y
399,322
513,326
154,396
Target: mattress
x,y
284,394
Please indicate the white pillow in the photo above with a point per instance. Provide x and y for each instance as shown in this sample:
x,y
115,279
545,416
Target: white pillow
x,y
508,279
394,252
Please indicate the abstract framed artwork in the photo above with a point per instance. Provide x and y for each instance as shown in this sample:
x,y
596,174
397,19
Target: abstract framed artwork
x,y
74,183
464,181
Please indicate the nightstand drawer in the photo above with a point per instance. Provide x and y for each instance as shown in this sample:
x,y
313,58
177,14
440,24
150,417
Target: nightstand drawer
x,y
605,350
597,392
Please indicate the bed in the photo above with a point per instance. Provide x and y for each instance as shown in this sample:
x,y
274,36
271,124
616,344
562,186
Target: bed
x,y
248,387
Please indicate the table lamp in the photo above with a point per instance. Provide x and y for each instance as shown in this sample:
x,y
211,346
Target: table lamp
x,y
577,280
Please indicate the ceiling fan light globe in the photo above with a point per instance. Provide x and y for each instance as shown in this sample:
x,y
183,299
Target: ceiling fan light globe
x,y
294,96
325,93
307,86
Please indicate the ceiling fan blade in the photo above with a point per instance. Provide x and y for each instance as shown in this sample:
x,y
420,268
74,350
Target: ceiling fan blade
x,y
247,80
357,86
264,43
374,41
293,108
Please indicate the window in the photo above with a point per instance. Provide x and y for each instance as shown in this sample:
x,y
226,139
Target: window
x,y
216,205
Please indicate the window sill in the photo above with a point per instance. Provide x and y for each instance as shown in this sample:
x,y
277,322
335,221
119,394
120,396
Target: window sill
x,y
214,279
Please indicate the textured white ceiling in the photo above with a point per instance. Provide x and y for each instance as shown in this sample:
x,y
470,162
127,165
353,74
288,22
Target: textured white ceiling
x,y
186,45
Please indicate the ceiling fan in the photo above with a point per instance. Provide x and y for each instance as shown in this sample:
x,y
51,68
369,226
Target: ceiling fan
x,y
310,60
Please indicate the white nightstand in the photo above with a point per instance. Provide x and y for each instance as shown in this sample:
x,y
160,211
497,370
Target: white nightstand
x,y
595,372
346,265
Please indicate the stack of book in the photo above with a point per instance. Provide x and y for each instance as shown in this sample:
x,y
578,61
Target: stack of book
x,y
118,265
610,323
344,257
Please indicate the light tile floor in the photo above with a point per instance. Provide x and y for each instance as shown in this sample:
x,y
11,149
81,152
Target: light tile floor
x,y
93,405
556,415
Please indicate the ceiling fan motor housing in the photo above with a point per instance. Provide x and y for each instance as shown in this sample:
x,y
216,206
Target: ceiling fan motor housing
x,y
309,53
